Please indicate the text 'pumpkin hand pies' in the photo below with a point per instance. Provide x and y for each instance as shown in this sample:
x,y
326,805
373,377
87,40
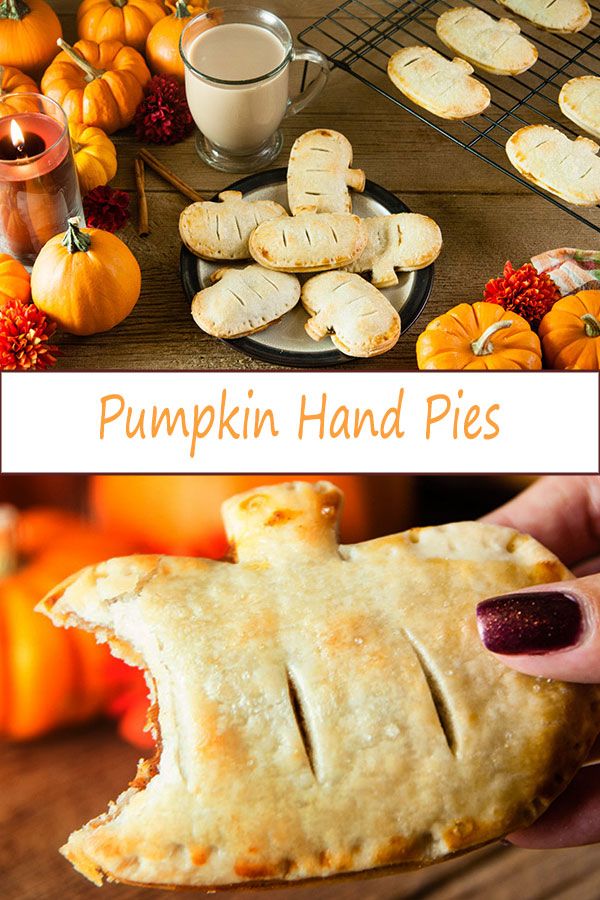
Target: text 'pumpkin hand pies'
x,y
322,709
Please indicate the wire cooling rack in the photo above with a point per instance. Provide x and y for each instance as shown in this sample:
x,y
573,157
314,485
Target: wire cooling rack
x,y
360,35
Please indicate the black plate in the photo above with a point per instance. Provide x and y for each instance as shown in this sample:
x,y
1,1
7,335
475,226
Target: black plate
x,y
308,353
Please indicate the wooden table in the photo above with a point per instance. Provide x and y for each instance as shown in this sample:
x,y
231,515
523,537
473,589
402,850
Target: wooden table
x,y
485,218
50,787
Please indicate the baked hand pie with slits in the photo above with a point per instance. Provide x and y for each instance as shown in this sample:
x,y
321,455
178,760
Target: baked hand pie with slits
x,y
579,100
494,45
358,318
319,173
402,241
561,16
444,87
569,169
222,230
322,709
309,242
244,301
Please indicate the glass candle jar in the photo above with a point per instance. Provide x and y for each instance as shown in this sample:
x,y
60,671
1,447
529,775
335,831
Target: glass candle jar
x,y
39,190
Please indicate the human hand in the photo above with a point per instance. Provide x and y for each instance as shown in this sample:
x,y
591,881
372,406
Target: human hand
x,y
553,631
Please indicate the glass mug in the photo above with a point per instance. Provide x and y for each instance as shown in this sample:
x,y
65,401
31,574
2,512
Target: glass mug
x,y
237,62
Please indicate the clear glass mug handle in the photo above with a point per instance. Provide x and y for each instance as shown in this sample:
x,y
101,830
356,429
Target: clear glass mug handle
x,y
302,99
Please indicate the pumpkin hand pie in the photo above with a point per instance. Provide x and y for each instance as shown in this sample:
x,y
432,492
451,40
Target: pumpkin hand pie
x,y
308,242
319,172
322,709
222,230
402,241
445,87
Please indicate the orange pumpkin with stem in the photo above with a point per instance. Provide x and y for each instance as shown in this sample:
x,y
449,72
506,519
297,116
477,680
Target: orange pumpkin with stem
x,y
478,336
95,156
14,280
97,84
570,332
47,680
128,21
29,30
86,279
162,46
13,81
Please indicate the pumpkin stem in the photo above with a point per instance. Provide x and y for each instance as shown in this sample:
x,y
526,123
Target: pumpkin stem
x,y
591,325
13,9
91,72
120,3
181,10
75,240
8,539
483,345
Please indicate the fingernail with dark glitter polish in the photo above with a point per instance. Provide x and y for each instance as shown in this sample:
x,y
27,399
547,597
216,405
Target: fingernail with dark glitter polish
x,y
530,622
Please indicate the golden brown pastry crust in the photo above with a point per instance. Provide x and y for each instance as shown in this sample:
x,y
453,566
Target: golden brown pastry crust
x,y
323,709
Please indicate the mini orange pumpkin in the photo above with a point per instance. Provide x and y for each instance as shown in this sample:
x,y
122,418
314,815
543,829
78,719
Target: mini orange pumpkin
x,y
95,156
162,46
29,30
14,280
128,21
86,279
98,84
13,81
570,332
478,336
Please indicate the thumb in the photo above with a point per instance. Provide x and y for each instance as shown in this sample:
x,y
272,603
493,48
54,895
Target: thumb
x,y
551,630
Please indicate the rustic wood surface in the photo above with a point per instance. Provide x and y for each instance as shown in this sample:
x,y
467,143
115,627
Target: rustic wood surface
x,y
485,218
51,787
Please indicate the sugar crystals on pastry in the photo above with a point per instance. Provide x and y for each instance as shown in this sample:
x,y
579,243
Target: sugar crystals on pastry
x,y
579,100
561,16
322,709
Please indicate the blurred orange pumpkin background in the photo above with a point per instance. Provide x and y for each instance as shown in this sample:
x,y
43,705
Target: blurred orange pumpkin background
x,y
51,526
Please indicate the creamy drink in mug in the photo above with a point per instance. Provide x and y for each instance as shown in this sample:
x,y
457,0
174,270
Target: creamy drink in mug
x,y
237,67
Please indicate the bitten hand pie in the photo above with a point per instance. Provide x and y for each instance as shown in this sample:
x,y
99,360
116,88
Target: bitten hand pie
x,y
322,709
360,320
403,241
494,45
244,301
562,16
547,157
579,100
319,173
221,230
308,242
442,86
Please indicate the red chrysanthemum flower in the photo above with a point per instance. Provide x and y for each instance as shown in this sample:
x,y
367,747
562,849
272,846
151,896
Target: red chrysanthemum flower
x,y
163,116
25,334
106,208
528,293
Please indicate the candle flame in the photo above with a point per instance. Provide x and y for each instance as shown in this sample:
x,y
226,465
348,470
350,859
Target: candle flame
x,y
16,135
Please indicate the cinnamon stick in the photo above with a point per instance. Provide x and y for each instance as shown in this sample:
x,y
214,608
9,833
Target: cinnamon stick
x,y
169,176
140,183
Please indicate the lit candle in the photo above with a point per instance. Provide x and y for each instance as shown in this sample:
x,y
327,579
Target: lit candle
x,y
39,191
